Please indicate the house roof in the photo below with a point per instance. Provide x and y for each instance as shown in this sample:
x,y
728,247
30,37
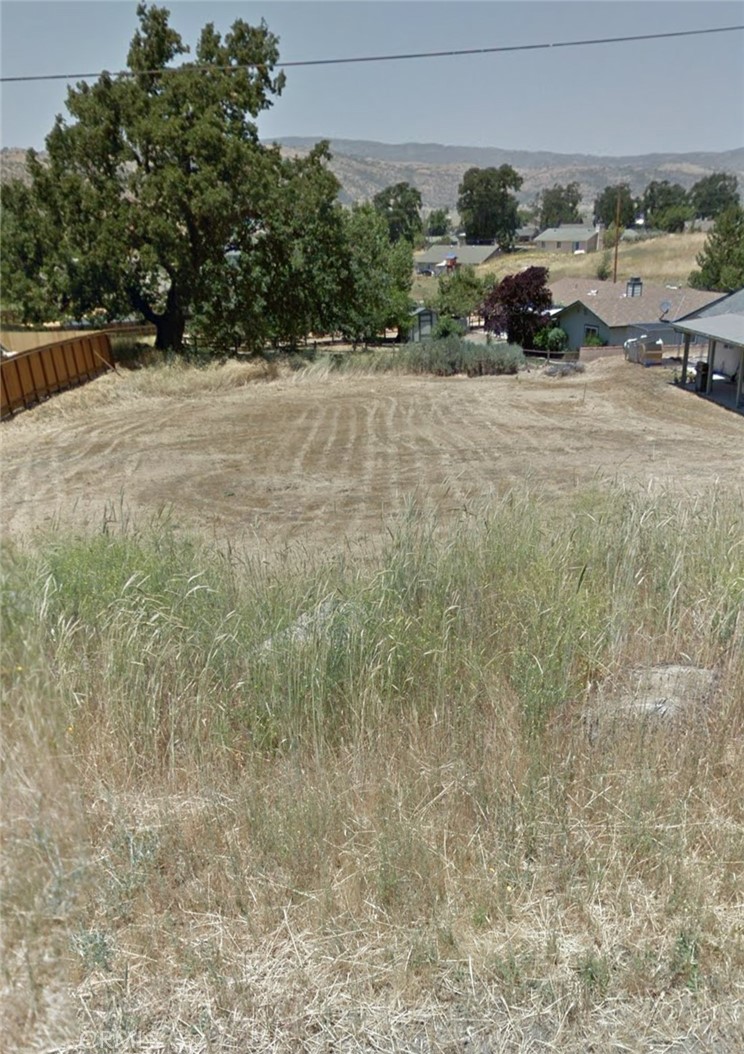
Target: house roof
x,y
567,233
729,329
608,301
466,254
729,304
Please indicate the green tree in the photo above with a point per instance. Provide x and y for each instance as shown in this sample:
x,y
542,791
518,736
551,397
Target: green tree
x,y
438,223
158,183
400,205
605,206
460,293
721,262
378,275
672,220
290,282
714,194
560,205
488,210
22,257
663,203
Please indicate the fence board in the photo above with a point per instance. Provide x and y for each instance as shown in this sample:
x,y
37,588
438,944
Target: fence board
x,y
29,376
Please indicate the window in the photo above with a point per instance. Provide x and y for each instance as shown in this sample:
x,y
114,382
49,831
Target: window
x,y
558,245
591,331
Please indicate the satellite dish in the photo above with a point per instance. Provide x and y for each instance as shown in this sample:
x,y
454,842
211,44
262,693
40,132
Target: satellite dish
x,y
665,306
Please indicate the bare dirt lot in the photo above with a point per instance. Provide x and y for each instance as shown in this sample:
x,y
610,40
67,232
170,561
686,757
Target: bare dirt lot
x,y
324,460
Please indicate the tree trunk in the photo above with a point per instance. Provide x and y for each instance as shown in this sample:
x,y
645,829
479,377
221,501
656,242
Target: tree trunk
x,y
170,327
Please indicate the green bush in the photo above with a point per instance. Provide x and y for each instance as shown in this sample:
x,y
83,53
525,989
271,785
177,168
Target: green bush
x,y
452,355
593,340
604,267
551,339
448,327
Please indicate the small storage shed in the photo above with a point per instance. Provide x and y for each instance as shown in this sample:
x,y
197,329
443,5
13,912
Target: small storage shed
x,y
423,321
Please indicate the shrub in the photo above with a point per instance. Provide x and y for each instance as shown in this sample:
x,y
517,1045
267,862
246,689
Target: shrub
x,y
593,340
557,339
448,327
604,268
452,355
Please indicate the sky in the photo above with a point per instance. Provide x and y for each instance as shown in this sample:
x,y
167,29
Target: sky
x,y
676,95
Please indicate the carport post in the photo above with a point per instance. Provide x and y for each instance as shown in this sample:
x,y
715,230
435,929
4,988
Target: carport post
x,y
739,379
711,360
685,359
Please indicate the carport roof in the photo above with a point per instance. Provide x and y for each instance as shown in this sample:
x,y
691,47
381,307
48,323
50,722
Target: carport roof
x,y
729,329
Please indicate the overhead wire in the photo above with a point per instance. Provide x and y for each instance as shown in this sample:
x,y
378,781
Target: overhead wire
x,y
499,49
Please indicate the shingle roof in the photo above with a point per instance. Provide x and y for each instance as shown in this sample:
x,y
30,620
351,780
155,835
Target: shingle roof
x,y
731,304
568,233
608,300
466,254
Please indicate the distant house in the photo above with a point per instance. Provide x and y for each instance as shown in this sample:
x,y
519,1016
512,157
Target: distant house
x,y
438,258
525,235
616,312
568,238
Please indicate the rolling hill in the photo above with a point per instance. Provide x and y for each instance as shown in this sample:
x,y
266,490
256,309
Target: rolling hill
x,y
364,167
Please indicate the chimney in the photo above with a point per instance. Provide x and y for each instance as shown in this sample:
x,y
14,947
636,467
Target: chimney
x,y
634,287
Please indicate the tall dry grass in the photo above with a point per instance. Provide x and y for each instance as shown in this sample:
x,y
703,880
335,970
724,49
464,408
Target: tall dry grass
x,y
354,805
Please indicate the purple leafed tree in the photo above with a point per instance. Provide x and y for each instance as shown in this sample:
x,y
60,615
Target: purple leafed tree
x,y
518,304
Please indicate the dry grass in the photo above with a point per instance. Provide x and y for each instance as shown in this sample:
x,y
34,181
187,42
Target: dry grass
x,y
159,378
391,833
668,258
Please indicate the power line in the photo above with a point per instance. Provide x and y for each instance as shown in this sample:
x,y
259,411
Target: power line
x,y
385,58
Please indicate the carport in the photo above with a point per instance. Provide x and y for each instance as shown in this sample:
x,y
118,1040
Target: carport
x,y
725,334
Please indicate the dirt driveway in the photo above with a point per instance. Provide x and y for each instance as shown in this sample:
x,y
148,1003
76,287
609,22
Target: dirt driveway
x,y
330,460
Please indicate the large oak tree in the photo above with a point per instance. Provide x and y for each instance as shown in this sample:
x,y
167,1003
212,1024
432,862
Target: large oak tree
x,y
488,209
158,198
560,204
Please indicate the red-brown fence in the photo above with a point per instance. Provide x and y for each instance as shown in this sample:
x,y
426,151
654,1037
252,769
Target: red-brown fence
x,y
30,376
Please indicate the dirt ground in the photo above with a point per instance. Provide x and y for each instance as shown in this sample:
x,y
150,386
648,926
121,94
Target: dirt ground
x,y
329,461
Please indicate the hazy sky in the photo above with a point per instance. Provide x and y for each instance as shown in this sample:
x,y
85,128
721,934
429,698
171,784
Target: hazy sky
x,y
665,95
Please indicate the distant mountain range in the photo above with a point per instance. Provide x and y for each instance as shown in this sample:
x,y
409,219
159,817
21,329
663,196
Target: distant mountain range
x,y
364,167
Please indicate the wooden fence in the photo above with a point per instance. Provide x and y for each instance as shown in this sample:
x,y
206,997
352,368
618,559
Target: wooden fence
x,y
30,376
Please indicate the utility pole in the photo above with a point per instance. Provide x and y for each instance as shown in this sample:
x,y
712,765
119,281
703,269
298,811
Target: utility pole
x,y
617,234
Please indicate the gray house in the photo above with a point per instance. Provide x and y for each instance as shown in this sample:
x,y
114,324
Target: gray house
x,y
616,312
568,238
715,337
437,258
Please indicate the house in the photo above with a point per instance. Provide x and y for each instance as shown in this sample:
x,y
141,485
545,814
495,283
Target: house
x,y
614,312
720,327
724,304
435,258
568,238
525,235
724,362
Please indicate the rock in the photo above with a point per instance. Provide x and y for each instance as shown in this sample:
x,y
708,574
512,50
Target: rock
x,y
664,692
